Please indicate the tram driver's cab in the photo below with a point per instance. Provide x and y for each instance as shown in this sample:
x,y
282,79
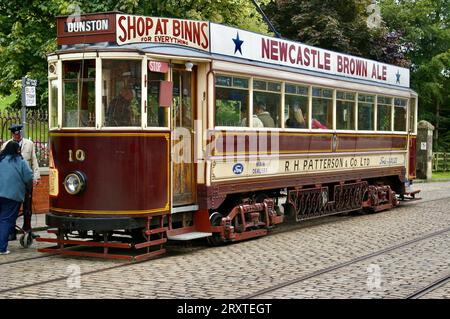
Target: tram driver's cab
x,y
132,118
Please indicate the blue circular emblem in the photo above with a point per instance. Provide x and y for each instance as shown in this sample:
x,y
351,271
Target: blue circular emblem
x,y
238,168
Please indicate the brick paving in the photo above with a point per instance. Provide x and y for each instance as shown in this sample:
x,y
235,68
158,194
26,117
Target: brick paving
x,y
239,269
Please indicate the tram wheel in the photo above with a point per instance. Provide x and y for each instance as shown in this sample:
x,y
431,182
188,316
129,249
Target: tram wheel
x,y
214,239
26,240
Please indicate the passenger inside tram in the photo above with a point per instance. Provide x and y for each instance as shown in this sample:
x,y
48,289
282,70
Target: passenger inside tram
x,y
263,115
256,122
296,119
119,110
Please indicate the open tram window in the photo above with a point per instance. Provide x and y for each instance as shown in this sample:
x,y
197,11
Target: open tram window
x,y
400,114
322,108
345,110
412,115
366,114
384,114
79,93
156,115
53,100
296,106
267,102
232,96
121,92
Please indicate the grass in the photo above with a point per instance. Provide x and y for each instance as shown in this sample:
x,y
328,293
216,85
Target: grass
x,y
6,100
437,175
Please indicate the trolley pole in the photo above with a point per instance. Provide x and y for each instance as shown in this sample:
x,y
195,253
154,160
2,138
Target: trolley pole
x,y
28,98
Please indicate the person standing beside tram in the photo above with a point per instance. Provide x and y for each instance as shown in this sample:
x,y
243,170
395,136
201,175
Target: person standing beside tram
x,y
28,153
15,180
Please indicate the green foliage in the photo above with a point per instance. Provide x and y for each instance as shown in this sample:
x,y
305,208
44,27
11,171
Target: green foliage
x,y
28,30
334,25
227,113
425,26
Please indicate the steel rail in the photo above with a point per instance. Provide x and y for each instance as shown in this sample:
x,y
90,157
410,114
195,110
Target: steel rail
x,y
429,288
342,265
305,277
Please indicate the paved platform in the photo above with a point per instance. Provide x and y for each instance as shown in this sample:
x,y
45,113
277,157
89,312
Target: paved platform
x,y
37,222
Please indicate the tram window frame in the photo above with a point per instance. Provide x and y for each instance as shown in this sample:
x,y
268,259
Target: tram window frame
x,y
128,81
319,101
412,115
296,95
400,114
363,102
268,94
157,116
232,86
345,99
53,88
384,102
78,118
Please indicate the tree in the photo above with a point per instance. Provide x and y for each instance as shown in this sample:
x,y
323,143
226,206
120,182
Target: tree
x,y
425,25
28,30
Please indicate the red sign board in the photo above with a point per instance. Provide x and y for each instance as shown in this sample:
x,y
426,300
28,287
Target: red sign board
x,y
89,28
165,93
158,66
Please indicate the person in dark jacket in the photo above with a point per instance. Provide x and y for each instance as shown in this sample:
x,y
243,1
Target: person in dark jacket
x,y
16,179
119,111
28,152
263,115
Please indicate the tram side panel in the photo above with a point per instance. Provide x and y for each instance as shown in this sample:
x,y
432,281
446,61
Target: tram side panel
x,y
303,159
126,173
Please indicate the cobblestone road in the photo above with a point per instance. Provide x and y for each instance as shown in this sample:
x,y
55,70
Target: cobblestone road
x,y
240,269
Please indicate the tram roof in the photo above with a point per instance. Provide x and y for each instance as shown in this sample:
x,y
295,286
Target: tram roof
x,y
192,39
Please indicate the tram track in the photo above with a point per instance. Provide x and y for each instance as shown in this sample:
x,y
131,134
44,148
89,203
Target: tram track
x,y
290,226
263,291
60,278
320,272
15,261
429,288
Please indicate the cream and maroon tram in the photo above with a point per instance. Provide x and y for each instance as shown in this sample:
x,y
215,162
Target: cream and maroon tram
x,y
176,129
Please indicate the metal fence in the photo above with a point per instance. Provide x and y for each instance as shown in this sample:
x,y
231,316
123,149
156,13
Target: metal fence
x,y
441,162
36,129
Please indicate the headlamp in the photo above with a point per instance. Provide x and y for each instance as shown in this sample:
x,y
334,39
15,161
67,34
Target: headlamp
x,y
74,183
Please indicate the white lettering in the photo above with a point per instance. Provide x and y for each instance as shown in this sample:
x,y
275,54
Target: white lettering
x,y
87,26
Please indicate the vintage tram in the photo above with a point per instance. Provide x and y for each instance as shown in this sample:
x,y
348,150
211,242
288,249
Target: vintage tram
x,y
170,129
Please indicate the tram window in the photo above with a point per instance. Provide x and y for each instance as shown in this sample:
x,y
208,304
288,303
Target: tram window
x,y
412,115
53,103
121,92
322,108
384,107
365,112
79,93
296,106
345,110
156,116
232,96
267,102
400,114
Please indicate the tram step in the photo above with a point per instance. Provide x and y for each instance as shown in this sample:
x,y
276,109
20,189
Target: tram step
x,y
189,236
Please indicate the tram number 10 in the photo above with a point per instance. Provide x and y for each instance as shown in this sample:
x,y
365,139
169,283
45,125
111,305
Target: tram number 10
x,y
80,155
